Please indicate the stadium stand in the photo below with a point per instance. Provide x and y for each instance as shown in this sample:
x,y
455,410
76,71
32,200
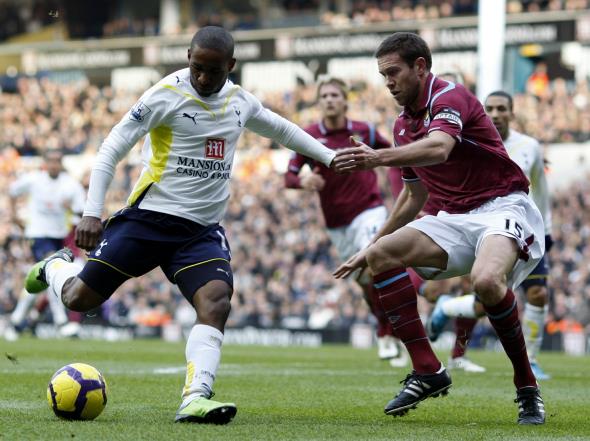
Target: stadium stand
x,y
282,256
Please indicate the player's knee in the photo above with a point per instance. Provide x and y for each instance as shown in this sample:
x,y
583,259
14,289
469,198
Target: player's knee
x,y
486,284
212,302
379,259
76,296
537,295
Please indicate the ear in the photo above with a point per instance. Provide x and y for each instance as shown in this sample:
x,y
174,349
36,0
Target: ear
x,y
231,64
420,66
189,55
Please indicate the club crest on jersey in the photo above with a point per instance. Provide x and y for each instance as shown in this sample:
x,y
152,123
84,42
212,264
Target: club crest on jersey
x,y
139,111
358,137
215,148
238,112
427,120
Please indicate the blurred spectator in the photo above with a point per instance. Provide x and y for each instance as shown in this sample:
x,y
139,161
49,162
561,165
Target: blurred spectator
x,y
538,82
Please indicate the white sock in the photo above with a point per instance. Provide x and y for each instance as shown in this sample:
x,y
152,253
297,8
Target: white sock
x,y
23,306
203,352
58,272
533,326
58,310
463,306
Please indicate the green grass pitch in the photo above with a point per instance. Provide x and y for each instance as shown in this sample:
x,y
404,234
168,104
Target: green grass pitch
x,y
327,393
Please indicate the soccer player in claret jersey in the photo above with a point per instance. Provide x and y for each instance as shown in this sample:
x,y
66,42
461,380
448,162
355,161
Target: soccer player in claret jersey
x,y
527,153
351,202
192,120
487,226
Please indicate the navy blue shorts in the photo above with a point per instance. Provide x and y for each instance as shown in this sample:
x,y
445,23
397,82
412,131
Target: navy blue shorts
x,y
44,246
539,275
135,241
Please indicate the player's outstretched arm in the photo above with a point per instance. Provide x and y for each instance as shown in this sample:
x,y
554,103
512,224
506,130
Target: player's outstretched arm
x,y
433,149
269,124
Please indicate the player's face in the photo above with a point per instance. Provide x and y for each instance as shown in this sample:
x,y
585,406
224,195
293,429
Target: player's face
x,y
498,109
209,69
402,80
53,165
331,101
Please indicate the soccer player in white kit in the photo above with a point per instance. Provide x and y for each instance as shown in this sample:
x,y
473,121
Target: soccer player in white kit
x,y
193,119
53,198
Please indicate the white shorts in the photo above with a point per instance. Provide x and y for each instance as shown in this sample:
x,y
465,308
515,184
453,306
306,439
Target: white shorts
x,y
461,235
358,234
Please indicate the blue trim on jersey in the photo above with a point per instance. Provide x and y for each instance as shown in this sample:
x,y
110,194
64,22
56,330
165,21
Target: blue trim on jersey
x,y
451,86
390,280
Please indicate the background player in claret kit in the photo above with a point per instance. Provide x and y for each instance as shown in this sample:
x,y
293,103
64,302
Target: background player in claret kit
x,y
487,226
193,119
54,199
527,153
352,204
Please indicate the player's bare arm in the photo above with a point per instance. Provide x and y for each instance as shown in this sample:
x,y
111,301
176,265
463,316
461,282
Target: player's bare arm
x,y
433,149
408,205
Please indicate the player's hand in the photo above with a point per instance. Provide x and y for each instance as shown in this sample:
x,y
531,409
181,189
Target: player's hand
x,y
359,260
548,243
88,232
313,181
18,222
359,157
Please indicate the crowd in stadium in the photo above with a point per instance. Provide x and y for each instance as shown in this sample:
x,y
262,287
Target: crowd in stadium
x,y
75,116
16,18
282,258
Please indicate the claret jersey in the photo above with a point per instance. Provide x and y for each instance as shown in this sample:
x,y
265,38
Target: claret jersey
x,y
189,147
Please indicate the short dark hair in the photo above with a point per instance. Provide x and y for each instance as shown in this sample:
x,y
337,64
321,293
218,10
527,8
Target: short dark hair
x,y
503,95
408,45
53,154
214,37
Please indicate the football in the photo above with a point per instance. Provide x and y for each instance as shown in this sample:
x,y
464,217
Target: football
x,y
77,391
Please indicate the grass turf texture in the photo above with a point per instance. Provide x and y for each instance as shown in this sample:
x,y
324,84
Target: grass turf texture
x,y
333,392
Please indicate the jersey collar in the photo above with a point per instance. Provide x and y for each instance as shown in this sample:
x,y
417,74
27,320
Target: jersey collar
x,y
324,130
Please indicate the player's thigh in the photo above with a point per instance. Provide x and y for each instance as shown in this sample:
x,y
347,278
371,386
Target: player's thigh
x,y
122,253
496,258
512,232
411,247
78,296
538,277
201,260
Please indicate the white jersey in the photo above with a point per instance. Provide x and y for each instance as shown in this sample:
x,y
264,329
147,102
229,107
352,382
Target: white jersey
x,y
189,148
51,203
527,153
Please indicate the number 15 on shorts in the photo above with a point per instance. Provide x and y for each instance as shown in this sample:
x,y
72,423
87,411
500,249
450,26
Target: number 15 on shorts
x,y
513,227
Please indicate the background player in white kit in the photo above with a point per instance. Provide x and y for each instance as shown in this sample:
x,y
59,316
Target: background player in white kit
x,y
527,153
54,198
193,119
